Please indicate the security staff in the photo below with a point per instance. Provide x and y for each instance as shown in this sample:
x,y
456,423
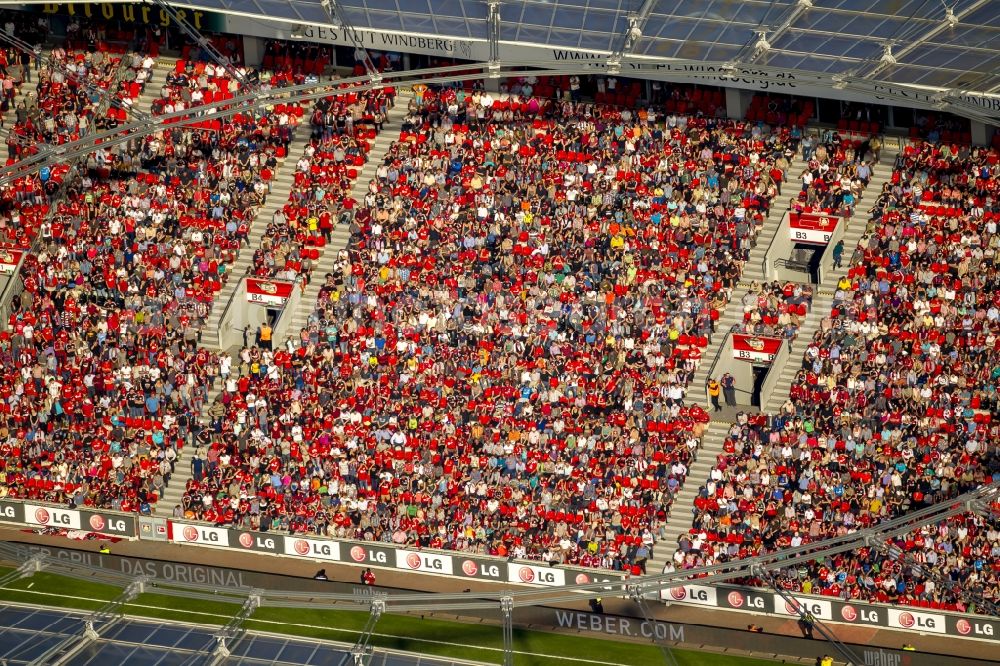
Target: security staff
x,y
714,391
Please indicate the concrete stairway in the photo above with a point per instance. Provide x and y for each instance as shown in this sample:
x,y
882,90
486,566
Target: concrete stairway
x,y
174,491
680,518
158,77
711,444
281,188
681,515
341,236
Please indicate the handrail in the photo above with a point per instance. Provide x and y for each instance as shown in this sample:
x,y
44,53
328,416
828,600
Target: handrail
x,y
792,265
781,222
715,362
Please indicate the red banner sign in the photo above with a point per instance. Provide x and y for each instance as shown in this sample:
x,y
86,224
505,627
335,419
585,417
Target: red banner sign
x,y
812,228
268,292
755,348
9,260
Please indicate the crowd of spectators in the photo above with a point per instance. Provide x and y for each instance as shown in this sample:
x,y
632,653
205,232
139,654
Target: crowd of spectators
x,y
343,127
895,406
106,375
774,309
498,363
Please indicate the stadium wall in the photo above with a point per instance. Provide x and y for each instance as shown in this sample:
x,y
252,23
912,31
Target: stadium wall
x,y
487,569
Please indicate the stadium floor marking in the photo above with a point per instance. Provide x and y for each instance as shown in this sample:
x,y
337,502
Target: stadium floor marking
x,y
311,626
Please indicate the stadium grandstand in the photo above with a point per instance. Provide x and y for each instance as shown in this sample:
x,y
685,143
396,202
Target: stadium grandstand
x,y
649,323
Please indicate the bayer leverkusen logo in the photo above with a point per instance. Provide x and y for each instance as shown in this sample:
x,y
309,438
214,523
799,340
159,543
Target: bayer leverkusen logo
x,y
756,344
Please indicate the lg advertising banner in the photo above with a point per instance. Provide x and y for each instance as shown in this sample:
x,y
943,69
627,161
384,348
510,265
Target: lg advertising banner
x,y
9,260
755,348
258,542
378,556
531,575
483,569
268,292
812,228
429,562
49,516
820,608
317,549
701,595
109,523
917,620
201,534
11,512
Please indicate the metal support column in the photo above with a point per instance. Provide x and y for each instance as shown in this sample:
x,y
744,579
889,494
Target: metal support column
x,y
637,592
507,609
338,18
205,43
361,653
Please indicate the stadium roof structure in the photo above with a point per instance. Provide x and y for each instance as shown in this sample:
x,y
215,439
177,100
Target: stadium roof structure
x,y
27,634
941,44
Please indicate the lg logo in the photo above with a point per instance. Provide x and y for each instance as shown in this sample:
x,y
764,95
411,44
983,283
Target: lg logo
x,y
248,540
7,512
736,600
100,524
965,628
909,620
423,562
192,533
44,517
851,614
582,579
806,606
678,593
473,570
529,575
360,554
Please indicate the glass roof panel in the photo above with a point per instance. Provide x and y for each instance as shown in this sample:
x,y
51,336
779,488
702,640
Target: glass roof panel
x,y
831,36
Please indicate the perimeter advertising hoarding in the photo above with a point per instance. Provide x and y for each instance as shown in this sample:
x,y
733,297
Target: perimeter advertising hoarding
x,y
812,228
50,516
482,568
109,523
11,512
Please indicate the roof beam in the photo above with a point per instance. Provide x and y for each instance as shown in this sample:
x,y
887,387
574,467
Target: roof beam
x,y
948,22
766,38
493,36
630,36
